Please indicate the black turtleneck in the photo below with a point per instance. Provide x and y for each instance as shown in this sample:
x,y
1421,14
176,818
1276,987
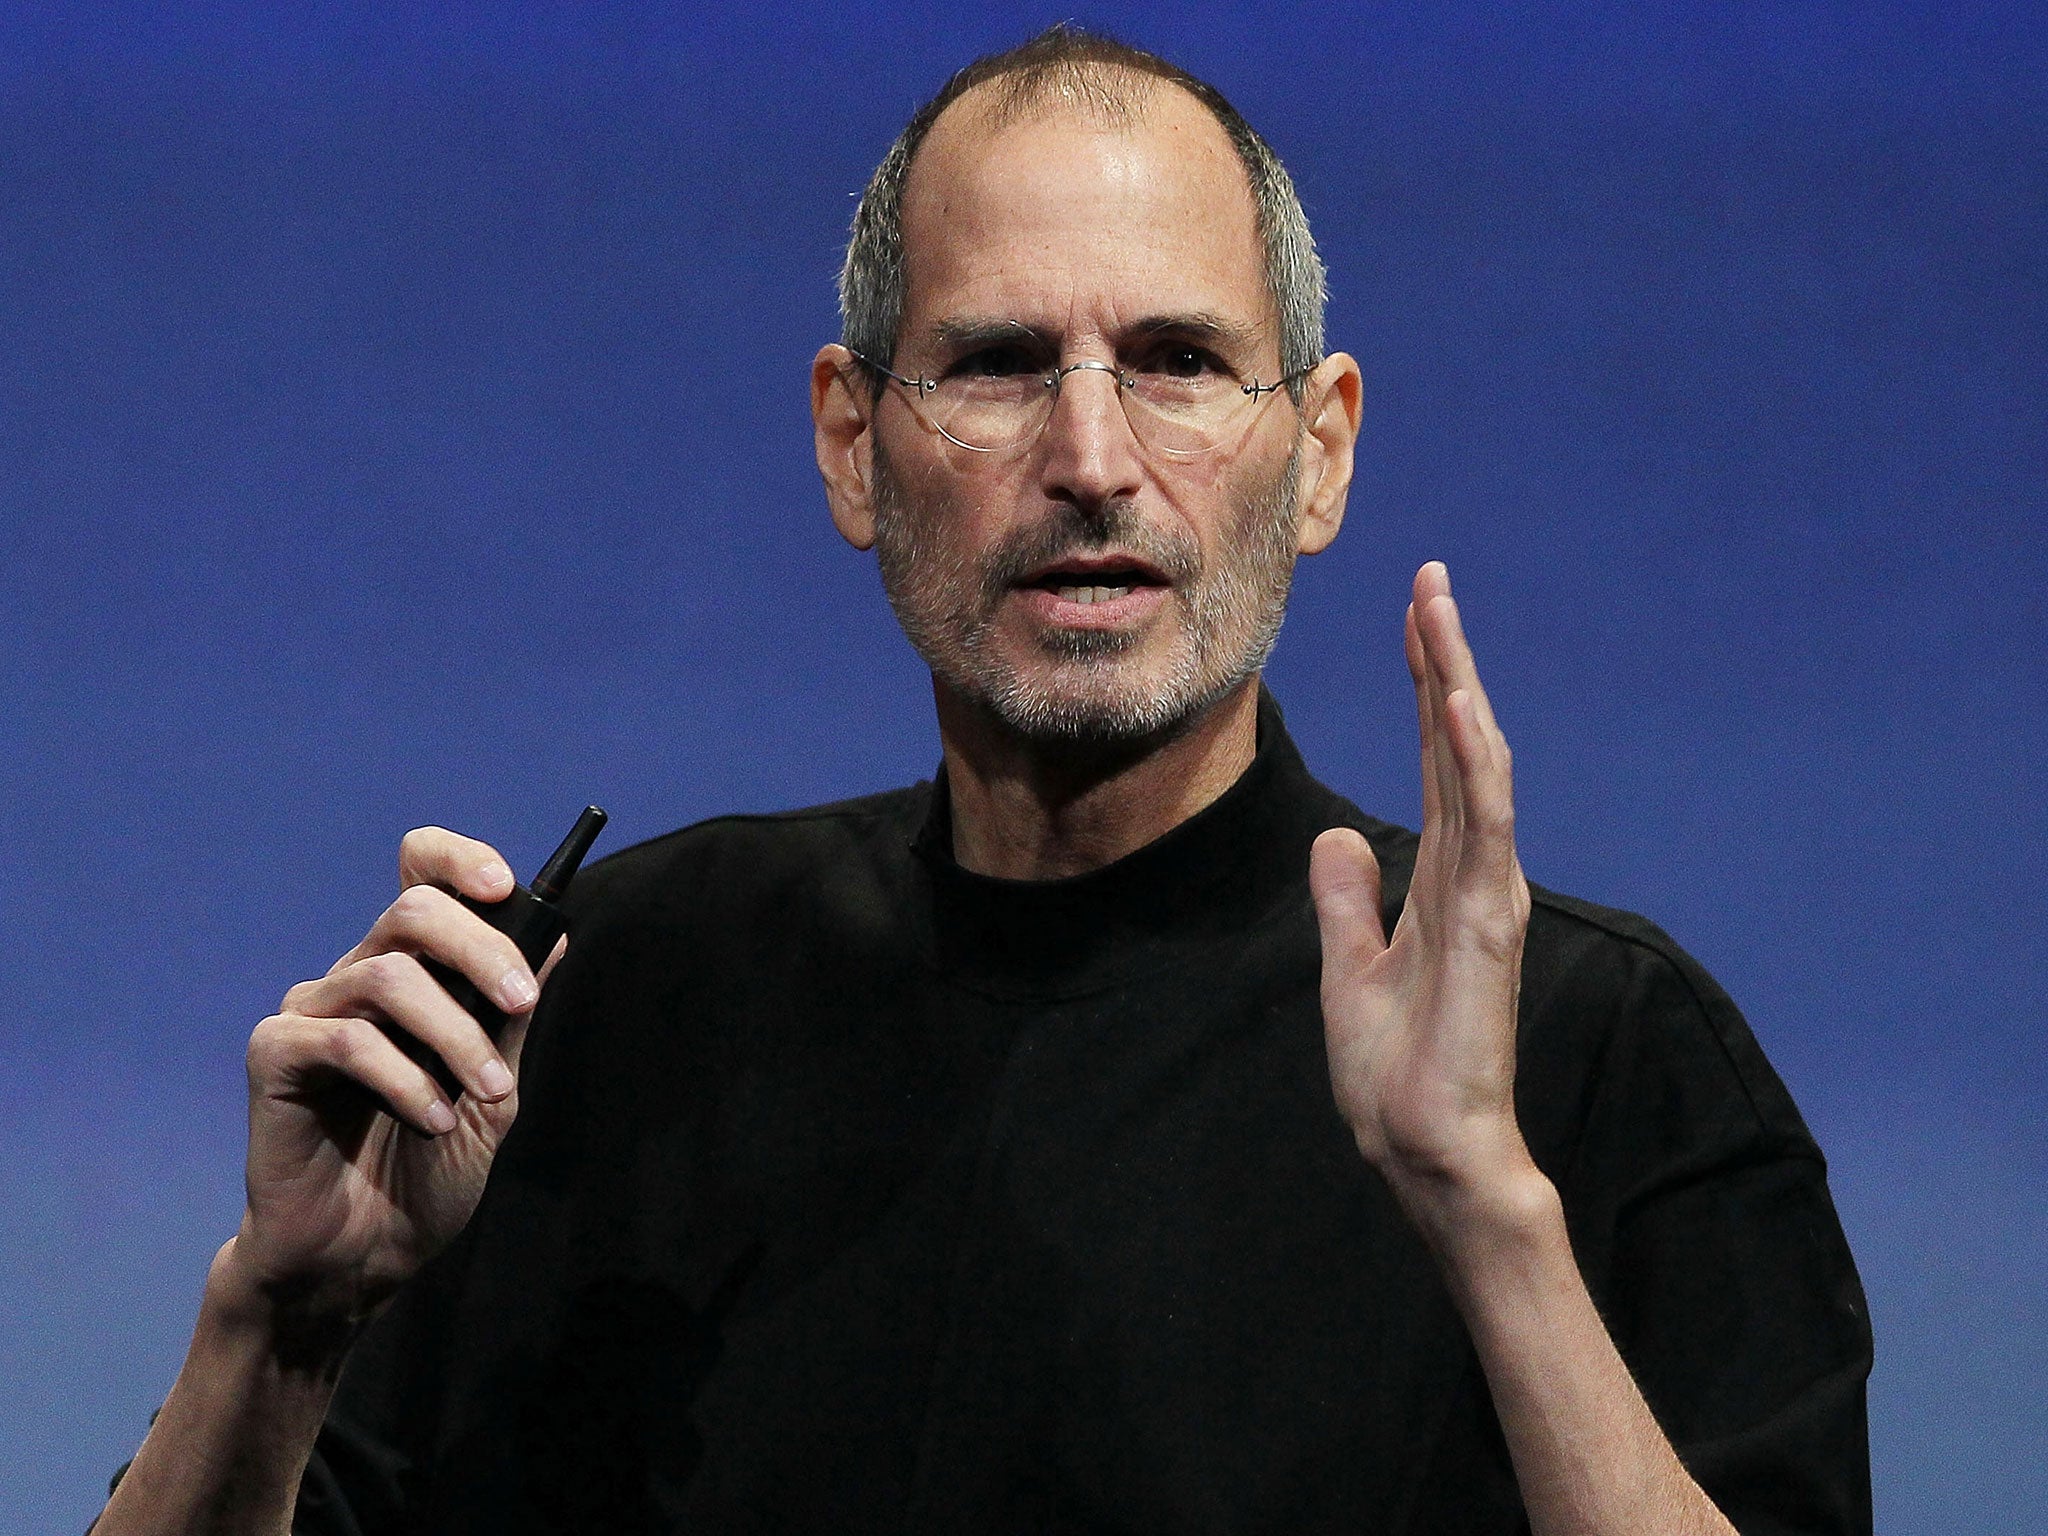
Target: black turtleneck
x,y
853,1192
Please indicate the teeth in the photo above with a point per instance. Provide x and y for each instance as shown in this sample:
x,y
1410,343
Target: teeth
x,y
1090,594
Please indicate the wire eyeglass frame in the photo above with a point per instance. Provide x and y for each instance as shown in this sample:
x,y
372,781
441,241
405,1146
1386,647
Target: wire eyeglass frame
x,y
922,387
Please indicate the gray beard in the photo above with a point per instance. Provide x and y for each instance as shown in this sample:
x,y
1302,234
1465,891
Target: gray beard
x,y
1230,616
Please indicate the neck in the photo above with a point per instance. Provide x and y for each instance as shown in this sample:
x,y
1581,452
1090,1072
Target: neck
x,y
1030,810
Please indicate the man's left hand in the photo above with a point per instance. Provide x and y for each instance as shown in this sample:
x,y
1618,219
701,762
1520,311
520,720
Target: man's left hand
x,y
1421,1030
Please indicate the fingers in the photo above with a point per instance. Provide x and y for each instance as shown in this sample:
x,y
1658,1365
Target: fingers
x,y
1447,652
383,986
512,1039
1464,749
1344,879
547,966
1441,765
1426,720
392,987
436,856
426,920
290,1053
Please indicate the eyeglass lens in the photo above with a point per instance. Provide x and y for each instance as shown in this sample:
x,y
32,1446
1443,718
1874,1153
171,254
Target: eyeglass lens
x,y
1168,412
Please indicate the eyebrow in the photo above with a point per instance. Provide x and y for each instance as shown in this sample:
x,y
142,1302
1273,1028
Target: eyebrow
x,y
980,330
969,331
1201,325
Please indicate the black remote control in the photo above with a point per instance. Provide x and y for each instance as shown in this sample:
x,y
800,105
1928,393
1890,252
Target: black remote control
x,y
531,919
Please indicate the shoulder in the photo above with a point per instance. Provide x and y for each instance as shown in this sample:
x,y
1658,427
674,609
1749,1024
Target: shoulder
x,y
752,860
734,901
1613,1008
1613,988
701,934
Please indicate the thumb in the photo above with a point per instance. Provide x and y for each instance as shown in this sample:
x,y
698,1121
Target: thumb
x,y
512,1042
1344,879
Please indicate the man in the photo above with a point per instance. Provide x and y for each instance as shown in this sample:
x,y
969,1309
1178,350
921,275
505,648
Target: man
x,y
967,1158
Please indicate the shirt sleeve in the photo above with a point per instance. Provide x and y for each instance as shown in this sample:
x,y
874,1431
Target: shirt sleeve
x,y
1701,1219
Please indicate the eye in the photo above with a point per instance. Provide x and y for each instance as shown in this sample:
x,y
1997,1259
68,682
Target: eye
x,y
1003,360
1182,360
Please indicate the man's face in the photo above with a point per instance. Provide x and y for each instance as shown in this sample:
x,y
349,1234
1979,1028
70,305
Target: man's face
x,y
1080,586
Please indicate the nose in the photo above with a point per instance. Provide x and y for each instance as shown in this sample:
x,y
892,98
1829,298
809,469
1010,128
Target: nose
x,y
1089,456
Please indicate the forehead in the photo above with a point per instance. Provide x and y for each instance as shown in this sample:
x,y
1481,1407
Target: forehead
x,y
1066,218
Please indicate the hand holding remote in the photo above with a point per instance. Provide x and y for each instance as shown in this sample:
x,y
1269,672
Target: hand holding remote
x,y
379,1093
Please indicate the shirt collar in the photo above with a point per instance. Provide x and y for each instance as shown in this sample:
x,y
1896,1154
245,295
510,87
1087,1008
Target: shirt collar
x,y
1227,868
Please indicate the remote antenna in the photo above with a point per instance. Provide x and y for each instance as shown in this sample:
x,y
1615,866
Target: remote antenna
x,y
560,869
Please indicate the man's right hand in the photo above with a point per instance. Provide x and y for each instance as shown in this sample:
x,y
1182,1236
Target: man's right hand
x,y
360,1170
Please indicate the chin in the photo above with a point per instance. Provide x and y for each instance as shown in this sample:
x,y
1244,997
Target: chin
x,y
1089,691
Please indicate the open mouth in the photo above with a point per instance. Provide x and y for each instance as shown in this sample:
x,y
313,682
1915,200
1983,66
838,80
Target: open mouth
x,y
1092,594
1093,580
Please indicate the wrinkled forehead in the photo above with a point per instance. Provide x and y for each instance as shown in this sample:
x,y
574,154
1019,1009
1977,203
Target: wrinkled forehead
x,y
1113,204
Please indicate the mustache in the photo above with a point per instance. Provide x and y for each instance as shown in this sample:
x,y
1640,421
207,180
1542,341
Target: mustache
x,y
1070,531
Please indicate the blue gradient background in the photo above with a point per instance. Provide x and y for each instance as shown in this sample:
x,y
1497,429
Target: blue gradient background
x,y
402,419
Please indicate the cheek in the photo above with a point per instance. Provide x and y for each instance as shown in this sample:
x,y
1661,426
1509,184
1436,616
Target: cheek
x,y
1228,506
1202,499
939,479
974,513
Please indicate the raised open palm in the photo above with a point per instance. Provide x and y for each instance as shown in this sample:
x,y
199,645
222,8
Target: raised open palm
x,y
1421,1029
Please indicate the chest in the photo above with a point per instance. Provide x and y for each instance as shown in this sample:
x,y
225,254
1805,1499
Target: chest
x,y
903,1254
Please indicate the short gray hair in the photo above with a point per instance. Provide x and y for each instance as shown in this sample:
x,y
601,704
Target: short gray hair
x,y
1097,73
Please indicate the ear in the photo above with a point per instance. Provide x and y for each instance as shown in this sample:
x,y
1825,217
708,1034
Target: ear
x,y
1335,403
841,422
